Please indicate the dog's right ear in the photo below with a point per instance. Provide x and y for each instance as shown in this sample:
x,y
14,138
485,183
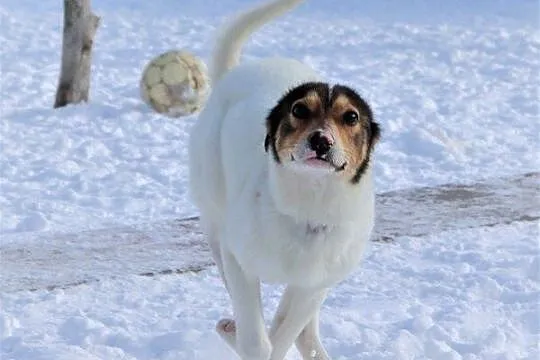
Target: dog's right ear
x,y
266,142
272,125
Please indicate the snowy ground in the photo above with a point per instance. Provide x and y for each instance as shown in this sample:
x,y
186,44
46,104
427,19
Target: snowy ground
x,y
49,260
467,72
471,295
458,70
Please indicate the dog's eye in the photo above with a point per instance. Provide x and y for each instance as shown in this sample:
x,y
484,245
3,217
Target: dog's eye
x,y
301,111
350,118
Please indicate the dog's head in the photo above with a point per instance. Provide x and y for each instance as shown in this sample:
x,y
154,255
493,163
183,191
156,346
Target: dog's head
x,y
323,129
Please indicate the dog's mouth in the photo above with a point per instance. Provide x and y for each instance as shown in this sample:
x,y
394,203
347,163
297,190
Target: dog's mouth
x,y
317,161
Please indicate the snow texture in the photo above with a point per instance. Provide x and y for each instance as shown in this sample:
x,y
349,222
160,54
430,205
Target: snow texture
x,y
439,74
467,294
35,260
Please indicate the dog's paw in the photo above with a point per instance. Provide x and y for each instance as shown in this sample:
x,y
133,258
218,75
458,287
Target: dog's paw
x,y
316,355
248,349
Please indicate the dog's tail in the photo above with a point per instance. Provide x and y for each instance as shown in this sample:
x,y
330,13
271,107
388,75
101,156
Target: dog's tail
x,y
229,45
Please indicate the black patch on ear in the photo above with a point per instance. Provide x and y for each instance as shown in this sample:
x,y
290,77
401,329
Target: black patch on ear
x,y
266,142
375,133
373,128
284,106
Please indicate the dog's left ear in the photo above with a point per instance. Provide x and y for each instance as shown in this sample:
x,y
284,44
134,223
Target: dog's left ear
x,y
375,133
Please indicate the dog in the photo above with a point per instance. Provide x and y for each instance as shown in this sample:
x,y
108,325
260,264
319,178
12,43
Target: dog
x,y
280,171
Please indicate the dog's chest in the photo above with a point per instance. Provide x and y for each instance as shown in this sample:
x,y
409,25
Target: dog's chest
x,y
276,249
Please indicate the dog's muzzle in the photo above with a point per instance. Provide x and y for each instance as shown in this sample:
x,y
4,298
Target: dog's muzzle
x,y
320,148
321,143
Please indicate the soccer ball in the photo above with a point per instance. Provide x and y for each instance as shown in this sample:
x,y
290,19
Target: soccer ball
x,y
174,83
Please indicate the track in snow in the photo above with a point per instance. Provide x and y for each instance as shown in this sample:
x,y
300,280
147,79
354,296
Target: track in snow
x,y
62,260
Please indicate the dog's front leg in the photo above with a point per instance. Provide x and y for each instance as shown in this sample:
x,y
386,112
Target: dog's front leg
x,y
297,313
247,333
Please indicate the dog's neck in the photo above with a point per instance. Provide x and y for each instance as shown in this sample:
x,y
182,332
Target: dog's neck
x,y
319,201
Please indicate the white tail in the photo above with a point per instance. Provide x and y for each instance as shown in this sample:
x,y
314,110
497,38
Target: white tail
x,y
229,45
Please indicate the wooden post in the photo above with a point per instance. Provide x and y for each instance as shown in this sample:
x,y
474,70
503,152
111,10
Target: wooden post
x,y
80,26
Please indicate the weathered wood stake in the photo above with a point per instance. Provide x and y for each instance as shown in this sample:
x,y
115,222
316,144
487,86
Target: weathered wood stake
x,y
80,26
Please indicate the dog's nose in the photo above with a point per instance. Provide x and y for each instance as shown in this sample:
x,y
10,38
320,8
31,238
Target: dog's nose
x,y
320,143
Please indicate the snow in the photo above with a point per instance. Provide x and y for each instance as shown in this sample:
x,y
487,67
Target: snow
x,y
467,86
469,294
454,86
48,260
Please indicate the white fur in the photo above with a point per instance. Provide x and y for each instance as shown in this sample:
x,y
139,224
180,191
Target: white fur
x,y
266,221
229,46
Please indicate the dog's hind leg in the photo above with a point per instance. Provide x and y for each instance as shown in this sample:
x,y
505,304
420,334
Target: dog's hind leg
x,y
215,247
246,334
298,312
309,343
226,328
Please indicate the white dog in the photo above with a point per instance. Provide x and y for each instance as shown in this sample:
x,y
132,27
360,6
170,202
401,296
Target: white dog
x,y
280,170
